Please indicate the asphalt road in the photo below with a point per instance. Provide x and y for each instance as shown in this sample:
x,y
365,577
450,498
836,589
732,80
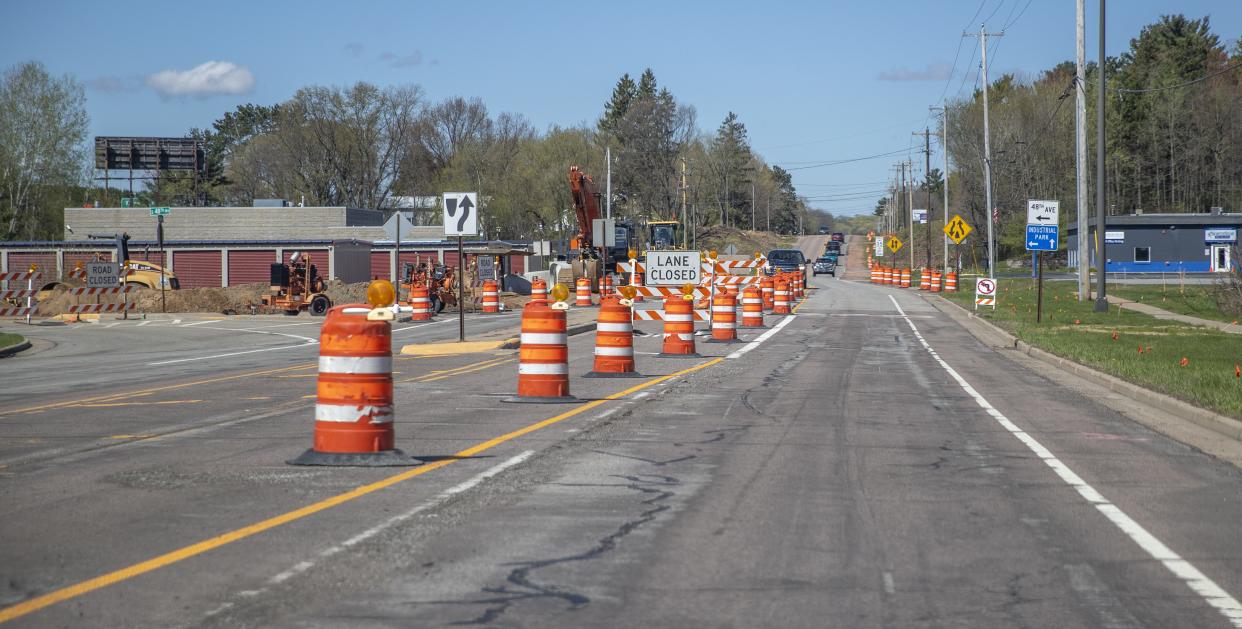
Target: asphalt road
x,y
838,473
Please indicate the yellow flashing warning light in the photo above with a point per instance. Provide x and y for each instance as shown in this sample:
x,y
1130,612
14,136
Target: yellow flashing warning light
x,y
79,265
758,255
712,254
628,291
633,254
381,294
560,292
34,267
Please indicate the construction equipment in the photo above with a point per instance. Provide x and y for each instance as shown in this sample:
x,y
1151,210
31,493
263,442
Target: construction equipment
x,y
663,235
438,279
138,272
297,286
583,256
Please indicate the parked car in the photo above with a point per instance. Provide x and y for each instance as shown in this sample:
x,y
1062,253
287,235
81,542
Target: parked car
x,y
788,260
824,265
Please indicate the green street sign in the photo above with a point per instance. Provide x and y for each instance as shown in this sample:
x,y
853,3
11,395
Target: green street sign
x,y
160,211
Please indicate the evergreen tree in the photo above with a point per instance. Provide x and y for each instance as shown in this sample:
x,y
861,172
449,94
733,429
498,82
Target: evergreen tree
x,y
623,96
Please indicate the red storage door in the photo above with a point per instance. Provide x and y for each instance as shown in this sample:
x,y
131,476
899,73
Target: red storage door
x,y
450,258
517,265
72,258
195,269
144,255
251,266
20,261
319,258
379,264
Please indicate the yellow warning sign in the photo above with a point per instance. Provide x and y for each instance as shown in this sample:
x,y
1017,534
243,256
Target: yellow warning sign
x,y
894,244
957,229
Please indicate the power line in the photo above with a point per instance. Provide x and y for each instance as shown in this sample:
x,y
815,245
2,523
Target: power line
x,y
998,8
850,160
1020,13
1201,79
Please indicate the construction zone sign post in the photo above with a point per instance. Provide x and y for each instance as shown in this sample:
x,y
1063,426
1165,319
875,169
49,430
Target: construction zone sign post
x,y
461,218
673,268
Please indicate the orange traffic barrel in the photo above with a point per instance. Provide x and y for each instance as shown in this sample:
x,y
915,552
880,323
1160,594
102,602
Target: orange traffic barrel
x,y
752,308
724,319
950,282
767,286
582,293
925,279
799,286
420,303
894,277
886,275
636,280
539,290
491,296
935,281
605,284
614,340
678,328
905,277
780,299
877,274
353,406
543,358
733,292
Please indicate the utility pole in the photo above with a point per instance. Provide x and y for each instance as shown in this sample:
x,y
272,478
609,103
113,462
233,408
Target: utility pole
x,y
927,189
983,36
944,144
608,184
910,208
1101,248
685,231
752,206
1080,154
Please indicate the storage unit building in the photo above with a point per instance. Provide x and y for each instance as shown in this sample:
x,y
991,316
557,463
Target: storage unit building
x,y
1164,243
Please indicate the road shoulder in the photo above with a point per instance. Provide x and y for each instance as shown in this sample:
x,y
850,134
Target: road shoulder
x,y
1188,424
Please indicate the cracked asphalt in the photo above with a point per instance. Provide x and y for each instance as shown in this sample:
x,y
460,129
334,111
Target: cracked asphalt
x,y
835,476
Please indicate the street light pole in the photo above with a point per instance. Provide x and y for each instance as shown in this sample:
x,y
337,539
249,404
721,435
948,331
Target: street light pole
x,y
1101,248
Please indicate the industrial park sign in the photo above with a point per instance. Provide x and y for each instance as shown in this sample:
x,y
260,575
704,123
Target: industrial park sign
x,y
673,268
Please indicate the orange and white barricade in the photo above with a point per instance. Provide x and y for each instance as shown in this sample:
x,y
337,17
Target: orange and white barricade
x,y
543,359
582,293
614,340
539,290
354,400
752,308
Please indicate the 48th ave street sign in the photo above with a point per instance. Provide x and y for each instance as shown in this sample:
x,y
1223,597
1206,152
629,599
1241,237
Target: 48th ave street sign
x,y
1042,212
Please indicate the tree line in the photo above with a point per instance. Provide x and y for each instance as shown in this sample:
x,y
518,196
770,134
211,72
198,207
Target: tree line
x,y
366,146
1173,111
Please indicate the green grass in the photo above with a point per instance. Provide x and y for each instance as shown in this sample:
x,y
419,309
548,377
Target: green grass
x,y
7,339
1071,329
1196,300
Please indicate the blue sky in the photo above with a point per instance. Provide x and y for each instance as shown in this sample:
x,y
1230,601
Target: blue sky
x,y
812,81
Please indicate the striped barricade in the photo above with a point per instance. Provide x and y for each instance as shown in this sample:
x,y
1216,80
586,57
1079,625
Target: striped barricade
x,y
658,315
20,276
102,290
100,308
16,311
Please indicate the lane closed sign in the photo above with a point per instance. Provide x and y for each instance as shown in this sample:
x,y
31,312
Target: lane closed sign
x,y
673,268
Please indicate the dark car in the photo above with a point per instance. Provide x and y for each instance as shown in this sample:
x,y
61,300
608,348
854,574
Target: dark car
x,y
833,246
825,265
788,260
838,237
823,230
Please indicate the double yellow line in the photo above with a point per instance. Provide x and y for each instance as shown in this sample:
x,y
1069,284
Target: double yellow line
x,y
155,563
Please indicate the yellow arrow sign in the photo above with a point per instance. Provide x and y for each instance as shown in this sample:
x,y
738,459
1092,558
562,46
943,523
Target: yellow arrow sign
x,y
957,229
894,244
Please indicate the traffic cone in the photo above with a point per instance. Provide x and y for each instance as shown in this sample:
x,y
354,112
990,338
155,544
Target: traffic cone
x,y
614,340
354,403
543,359
538,291
679,328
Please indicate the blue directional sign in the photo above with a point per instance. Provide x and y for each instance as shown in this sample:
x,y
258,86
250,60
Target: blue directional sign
x,y
1042,237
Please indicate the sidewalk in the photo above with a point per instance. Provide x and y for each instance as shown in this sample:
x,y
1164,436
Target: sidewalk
x,y
1160,313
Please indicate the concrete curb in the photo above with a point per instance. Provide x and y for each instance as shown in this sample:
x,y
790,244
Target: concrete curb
x,y
5,352
986,331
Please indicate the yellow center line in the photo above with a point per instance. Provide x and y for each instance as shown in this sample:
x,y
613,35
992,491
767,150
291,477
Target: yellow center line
x,y
155,563
114,404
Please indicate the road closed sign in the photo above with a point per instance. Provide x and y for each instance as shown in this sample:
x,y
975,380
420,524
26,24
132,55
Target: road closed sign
x,y
101,274
673,268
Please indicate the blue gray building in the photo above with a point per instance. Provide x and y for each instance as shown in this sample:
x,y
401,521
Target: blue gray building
x,y
1164,243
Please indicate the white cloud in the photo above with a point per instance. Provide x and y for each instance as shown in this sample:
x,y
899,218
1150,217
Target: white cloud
x,y
933,72
208,79
402,61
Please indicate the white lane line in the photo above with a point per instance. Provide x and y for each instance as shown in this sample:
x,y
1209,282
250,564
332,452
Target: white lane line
x,y
1200,583
763,337
201,323
113,325
250,351
144,323
253,331
438,500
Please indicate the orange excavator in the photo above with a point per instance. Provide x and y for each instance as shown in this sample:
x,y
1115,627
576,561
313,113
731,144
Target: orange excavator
x,y
584,256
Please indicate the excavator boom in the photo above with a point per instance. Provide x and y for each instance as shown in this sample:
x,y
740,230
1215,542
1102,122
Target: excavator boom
x,y
586,206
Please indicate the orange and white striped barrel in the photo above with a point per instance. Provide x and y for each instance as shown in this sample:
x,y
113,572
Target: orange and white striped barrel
x,y
875,274
582,293
491,296
733,292
636,281
724,318
886,275
678,327
614,341
925,279
935,281
795,288
420,304
780,300
543,359
752,308
950,282
767,286
354,401
905,277
605,285
538,291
